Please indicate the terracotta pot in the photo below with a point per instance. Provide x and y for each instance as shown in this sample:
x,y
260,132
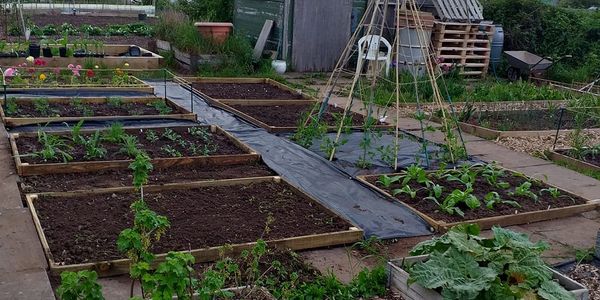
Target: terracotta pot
x,y
218,32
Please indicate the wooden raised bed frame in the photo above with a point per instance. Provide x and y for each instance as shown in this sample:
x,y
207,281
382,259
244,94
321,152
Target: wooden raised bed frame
x,y
178,111
506,220
224,104
558,157
492,134
112,59
25,169
216,102
399,278
138,86
121,266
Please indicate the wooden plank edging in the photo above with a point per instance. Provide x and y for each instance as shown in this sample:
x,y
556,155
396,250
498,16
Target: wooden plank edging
x,y
121,266
558,157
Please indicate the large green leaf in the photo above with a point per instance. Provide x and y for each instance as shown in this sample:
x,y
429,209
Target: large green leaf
x,y
458,274
551,290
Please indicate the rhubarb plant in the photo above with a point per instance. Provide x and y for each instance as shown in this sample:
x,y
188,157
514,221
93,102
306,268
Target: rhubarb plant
x,y
464,265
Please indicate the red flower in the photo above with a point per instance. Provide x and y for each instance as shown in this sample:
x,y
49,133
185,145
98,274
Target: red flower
x,y
90,73
31,70
39,62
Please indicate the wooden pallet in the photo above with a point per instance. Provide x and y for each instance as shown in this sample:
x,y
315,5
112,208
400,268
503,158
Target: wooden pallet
x,y
26,169
464,45
121,266
178,112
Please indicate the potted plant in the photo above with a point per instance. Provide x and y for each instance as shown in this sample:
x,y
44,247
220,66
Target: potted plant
x,y
463,265
34,50
63,49
46,50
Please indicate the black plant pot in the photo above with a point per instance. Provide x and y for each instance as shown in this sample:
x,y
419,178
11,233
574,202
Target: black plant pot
x,y
34,50
47,52
142,17
62,51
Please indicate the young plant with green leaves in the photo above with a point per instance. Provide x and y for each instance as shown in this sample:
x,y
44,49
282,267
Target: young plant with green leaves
x,y
171,135
524,190
115,133
116,102
202,133
493,198
493,175
405,190
152,136
466,175
451,203
92,146
171,151
42,106
161,106
53,147
416,173
11,108
129,146
552,191
463,265
387,181
79,285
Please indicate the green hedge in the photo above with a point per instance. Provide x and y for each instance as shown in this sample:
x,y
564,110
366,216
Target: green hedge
x,y
551,31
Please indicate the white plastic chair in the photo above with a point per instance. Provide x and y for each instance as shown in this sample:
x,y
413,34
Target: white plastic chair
x,y
374,42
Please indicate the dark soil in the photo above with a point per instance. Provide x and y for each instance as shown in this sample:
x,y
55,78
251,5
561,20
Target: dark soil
x,y
217,143
290,115
516,120
118,178
481,188
85,228
587,157
99,109
245,91
589,276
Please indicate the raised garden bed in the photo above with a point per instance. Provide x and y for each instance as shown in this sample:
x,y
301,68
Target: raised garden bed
x,y
589,162
207,145
25,111
244,90
278,116
399,280
117,178
111,56
511,123
537,202
127,83
204,216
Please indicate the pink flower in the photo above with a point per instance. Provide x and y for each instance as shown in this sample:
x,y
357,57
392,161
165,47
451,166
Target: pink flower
x,y
71,66
57,70
78,67
10,72
23,65
75,72
39,62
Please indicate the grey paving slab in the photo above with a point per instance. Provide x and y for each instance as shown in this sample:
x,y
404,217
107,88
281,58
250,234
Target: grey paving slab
x,y
26,285
20,247
9,191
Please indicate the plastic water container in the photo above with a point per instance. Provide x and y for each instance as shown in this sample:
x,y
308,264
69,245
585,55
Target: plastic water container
x,y
497,44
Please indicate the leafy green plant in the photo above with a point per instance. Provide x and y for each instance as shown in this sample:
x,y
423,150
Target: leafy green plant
x,y
141,168
171,135
466,175
451,202
79,285
115,133
493,198
554,192
463,265
492,175
204,150
524,190
12,108
386,181
435,193
200,132
415,173
129,145
93,148
372,245
76,135
116,102
405,190
169,150
161,107
52,147
42,106
152,136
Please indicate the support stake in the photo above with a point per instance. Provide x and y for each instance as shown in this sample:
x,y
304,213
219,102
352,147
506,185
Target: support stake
x,y
560,118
